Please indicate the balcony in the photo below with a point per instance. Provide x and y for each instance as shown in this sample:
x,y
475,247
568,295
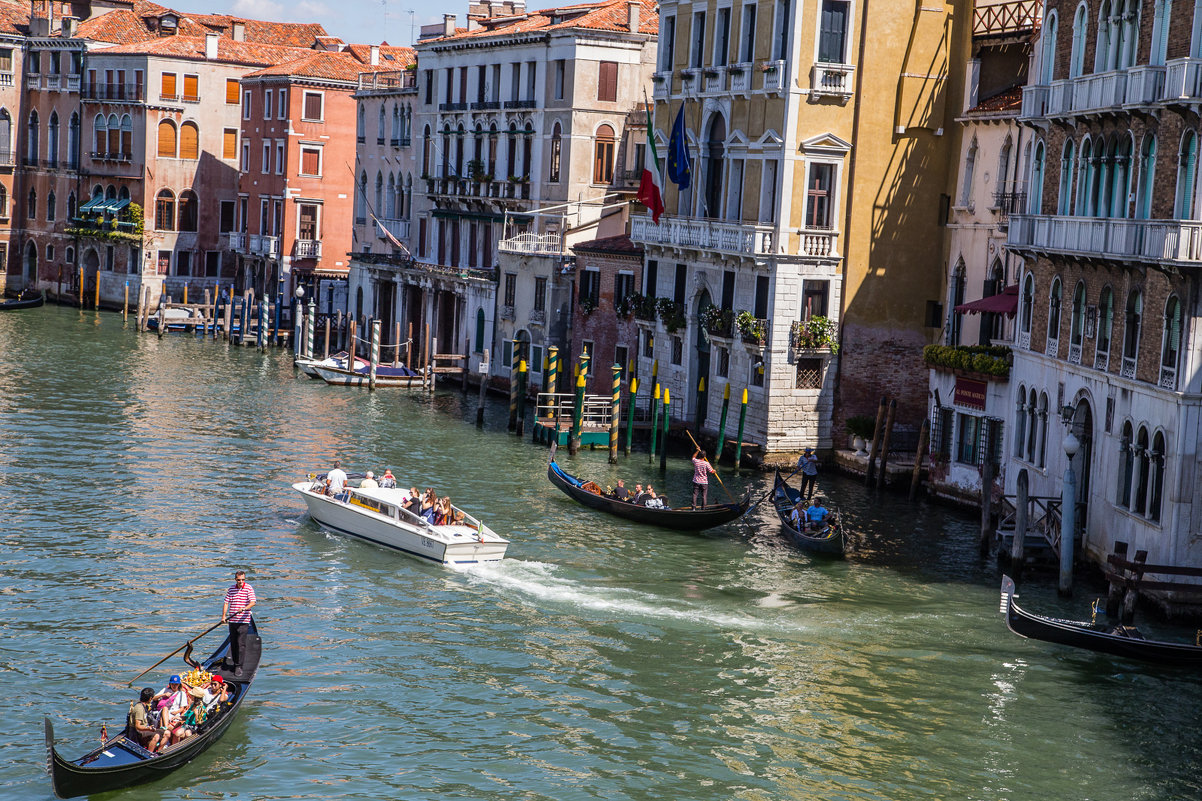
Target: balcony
x,y
33,82
486,105
1145,86
236,241
106,156
538,317
832,80
698,233
7,158
307,249
6,79
1176,243
532,244
113,92
661,83
1074,353
507,311
72,83
398,228
740,77
1183,80
391,81
1000,19
773,73
713,80
1168,378
263,245
818,243
517,105
1127,368
1035,102
1051,347
452,106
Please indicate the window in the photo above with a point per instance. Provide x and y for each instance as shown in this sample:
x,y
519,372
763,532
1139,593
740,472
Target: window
x,y
1156,460
761,297
651,278
1131,327
540,294
71,212
282,104
166,139
127,137
560,77
603,156
246,104
967,441
246,157
667,43
1027,303
306,222
818,196
164,211
32,138
648,345
167,87
313,106
188,210
757,372
100,130
310,160
590,286
1187,171
31,206
229,144
723,370
52,139
1077,325
697,52
721,38
428,81
747,34
556,153
268,102
607,87
191,89
832,34
279,157
51,202
511,281
232,91
1171,342
226,220
768,192
623,287
1064,204
265,165
1054,312
1105,320
780,35
189,141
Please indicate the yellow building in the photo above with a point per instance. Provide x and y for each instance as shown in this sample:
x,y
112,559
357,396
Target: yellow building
x,y
812,224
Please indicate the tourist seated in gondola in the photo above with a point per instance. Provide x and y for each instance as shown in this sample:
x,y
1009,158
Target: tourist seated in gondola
x,y
192,717
217,694
639,495
817,514
798,516
653,501
620,491
140,726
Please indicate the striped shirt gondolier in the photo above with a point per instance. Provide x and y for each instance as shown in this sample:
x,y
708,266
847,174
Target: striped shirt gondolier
x,y
238,599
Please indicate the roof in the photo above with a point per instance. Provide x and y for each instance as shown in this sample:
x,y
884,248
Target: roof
x,y
1010,100
140,23
193,47
605,15
343,66
620,245
14,18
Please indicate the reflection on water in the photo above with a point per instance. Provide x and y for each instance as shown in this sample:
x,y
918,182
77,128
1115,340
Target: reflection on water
x,y
603,660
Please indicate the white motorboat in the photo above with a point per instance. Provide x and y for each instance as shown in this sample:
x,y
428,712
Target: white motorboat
x,y
309,365
376,515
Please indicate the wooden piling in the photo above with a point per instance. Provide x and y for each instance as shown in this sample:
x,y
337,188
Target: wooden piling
x,y
920,455
513,384
339,332
483,389
876,440
162,326
409,349
81,287
125,305
882,476
205,316
742,423
467,354
631,396
326,354
229,317
351,342
699,418
96,299
986,534
1021,502
427,354
138,313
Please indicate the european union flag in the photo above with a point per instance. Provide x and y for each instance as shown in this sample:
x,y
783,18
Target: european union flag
x,y
680,168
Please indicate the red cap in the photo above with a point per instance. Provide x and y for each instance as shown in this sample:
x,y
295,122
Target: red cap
x,y
218,679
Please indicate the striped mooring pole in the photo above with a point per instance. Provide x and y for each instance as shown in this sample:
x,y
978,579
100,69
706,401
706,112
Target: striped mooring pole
x,y
375,354
615,413
310,328
262,332
630,398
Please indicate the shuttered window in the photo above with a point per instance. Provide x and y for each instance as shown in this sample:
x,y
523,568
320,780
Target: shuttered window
x,y
167,139
311,161
313,108
189,141
607,88
232,91
229,144
168,85
191,87
603,156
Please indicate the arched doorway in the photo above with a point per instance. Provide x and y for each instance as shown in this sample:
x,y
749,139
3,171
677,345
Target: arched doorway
x,y
702,349
715,149
31,263
1082,427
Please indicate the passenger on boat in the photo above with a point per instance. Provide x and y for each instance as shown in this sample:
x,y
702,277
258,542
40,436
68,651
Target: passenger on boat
x,y
173,697
336,482
458,519
442,514
388,480
413,503
817,513
369,481
639,495
140,727
192,718
798,516
429,502
653,501
217,693
620,491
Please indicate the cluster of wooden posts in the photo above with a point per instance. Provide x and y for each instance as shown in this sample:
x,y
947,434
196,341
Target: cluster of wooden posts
x,y
659,403
243,320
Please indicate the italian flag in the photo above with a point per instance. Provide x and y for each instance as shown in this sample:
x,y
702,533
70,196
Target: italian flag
x,y
651,182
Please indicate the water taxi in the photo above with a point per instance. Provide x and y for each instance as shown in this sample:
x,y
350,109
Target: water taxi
x,y
376,515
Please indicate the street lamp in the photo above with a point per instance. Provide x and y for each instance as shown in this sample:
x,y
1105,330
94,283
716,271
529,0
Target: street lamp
x,y
1068,514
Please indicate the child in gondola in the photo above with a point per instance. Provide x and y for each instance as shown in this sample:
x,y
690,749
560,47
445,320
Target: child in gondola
x,y
190,721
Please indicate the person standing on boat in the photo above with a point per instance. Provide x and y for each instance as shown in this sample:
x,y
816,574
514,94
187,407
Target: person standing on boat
x,y
808,465
336,480
701,482
239,599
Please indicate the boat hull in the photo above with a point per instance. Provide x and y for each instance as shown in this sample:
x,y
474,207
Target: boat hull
x,y
14,305
1080,634
677,519
827,540
445,545
354,378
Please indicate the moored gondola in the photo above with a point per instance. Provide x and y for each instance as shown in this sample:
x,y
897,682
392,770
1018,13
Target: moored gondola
x,y
1123,641
28,303
678,519
826,539
122,762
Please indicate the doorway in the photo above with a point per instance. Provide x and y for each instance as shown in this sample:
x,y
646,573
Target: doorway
x,y
701,347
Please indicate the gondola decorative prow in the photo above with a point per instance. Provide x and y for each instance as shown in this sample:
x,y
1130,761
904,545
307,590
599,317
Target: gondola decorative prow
x,y
188,657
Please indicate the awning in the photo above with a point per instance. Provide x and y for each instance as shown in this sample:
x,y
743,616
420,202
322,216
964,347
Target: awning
x,y
1004,303
116,205
91,205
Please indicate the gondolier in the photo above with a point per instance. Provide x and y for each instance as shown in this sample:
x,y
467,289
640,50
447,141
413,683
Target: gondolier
x,y
239,599
701,483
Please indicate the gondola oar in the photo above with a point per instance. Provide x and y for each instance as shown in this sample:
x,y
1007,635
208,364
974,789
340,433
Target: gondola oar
x,y
764,497
188,645
723,486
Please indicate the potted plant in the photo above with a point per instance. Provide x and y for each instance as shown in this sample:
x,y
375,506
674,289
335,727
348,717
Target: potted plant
x,y
671,313
717,322
753,329
735,69
588,305
815,333
768,67
861,427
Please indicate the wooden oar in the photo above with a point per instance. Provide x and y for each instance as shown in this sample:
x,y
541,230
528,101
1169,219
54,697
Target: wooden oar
x,y
769,492
723,486
173,653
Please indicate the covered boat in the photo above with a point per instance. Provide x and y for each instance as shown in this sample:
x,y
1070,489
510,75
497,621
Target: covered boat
x,y
826,539
121,761
1124,641
679,519
376,515
308,365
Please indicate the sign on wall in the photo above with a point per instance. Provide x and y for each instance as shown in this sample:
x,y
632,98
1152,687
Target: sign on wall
x,y
970,394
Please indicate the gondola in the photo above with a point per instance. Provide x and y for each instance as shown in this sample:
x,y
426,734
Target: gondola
x,y
826,540
678,519
1123,641
122,762
30,303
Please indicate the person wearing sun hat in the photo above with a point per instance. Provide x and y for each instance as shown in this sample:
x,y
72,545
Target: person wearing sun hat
x,y
808,465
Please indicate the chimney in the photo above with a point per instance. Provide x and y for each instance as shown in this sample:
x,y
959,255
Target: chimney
x,y
211,40
374,60
632,15
448,24
69,26
239,32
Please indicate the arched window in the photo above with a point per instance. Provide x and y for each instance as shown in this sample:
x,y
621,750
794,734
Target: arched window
x,y
164,210
426,152
491,167
1128,34
1047,49
1170,347
390,199
361,127
167,147
3,202
1105,321
1054,313
1064,205
459,145
603,156
1139,503
1084,206
1035,196
73,140
1126,467
189,141
379,194
1003,163
1104,55
1043,429
1077,327
1028,303
380,127
1187,171
31,205
556,153
188,210
955,298
31,138
396,124
1131,328
123,193
52,139
1020,422
71,207
51,211
1156,460
1033,422
31,261
110,193
408,198
715,153
361,199
1104,151
479,330
1147,177
127,137
1076,65
6,135
112,136
970,163
1120,178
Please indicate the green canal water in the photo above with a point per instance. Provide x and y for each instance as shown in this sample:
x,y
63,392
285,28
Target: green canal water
x,y
601,660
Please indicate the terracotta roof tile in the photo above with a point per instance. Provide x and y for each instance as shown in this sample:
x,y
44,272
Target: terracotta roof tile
x,y
607,15
193,47
14,18
619,245
123,26
342,66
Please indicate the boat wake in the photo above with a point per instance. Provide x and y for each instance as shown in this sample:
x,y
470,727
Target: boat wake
x,y
538,584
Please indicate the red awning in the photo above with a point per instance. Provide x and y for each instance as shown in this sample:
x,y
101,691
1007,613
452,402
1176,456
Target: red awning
x,y
1005,303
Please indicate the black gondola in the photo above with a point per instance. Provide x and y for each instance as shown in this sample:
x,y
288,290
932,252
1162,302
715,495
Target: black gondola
x,y
121,761
29,303
1124,642
827,539
679,519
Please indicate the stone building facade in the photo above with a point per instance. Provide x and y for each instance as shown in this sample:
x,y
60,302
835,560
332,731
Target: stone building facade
x,y
603,321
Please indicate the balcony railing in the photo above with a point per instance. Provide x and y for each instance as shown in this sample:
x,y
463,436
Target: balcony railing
x,y
740,77
1051,347
1145,85
1101,361
704,234
486,105
538,317
103,155
6,79
532,244
521,104
1177,242
661,83
1017,16
713,80
1074,353
452,106
384,81
1183,80
1035,102
819,243
1168,377
263,245
131,92
72,83
236,241
7,158
307,249
1127,368
831,80
398,228
774,75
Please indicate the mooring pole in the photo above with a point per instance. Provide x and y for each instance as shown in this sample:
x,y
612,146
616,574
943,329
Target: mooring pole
x,y
520,429
514,358
663,445
631,396
742,423
887,440
654,423
924,434
876,440
577,417
615,412
1021,501
375,354
553,376
483,388
722,423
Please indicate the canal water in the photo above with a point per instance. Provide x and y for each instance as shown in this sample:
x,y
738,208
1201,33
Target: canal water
x,y
601,660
